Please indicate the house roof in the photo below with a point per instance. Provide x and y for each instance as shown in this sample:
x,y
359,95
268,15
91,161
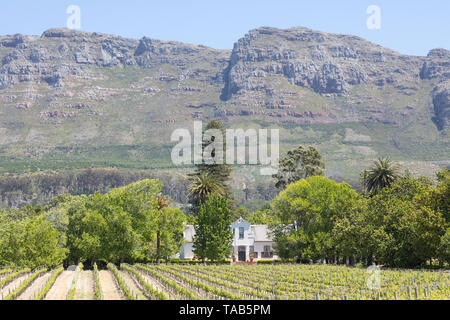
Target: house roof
x,y
261,232
240,221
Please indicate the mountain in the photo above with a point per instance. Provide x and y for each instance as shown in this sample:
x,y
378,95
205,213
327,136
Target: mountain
x,y
71,99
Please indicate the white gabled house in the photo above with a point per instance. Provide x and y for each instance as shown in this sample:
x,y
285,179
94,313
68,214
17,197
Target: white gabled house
x,y
248,240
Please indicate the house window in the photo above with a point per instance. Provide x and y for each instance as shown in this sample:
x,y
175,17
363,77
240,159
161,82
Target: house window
x,y
252,251
241,232
267,253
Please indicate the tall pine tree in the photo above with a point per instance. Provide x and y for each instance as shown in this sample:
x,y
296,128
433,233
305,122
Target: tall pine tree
x,y
217,174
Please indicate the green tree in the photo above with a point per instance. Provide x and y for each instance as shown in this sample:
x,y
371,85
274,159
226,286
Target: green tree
x,y
263,216
382,174
439,198
300,163
204,185
122,241
444,247
306,212
100,229
213,235
91,243
239,212
169,226
404,230
57,212
352,234
159,226
221,171
140,200
30,242
127,224
210,177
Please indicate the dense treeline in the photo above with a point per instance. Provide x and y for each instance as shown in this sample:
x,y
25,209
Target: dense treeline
x,y
39,188
131,223
405,224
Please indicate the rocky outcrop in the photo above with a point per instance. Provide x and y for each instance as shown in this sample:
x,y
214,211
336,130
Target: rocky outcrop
x,y
200,62
436,65
441,102
270,72
61,53
325,63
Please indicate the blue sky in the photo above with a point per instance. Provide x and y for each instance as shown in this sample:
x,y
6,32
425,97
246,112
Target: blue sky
x,y
411,27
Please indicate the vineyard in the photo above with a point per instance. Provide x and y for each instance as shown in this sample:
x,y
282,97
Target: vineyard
x,y
222,282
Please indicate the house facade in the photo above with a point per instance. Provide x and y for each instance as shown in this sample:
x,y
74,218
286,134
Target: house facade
x,y
248,241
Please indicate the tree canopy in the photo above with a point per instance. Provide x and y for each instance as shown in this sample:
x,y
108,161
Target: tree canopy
x,y
213,236
125,224
300,163
382,174
404,225
307,211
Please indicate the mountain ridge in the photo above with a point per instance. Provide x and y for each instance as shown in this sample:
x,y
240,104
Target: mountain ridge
x,y
79,99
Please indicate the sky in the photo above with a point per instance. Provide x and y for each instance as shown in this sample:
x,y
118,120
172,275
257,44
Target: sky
x,y
411,27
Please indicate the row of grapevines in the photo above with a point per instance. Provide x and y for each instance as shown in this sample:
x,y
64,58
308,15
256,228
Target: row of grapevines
x,y
284,284
330,282
198,284
247,285
292,285
256,285
341,280
73,286
122,284
49,284
152,291
4,271
98,286
170,283
220,282
13,276
21,288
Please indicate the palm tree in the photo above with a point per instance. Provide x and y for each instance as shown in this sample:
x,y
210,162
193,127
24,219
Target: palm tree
x,y
204,185
382,174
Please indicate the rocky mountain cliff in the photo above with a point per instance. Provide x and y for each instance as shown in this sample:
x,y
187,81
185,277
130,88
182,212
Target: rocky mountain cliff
x,y
77,99
332,66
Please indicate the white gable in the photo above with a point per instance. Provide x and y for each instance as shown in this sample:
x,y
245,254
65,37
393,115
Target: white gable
x,y
240,223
